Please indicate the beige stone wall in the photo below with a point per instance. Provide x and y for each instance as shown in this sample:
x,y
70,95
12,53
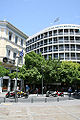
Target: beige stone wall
x,y
4,42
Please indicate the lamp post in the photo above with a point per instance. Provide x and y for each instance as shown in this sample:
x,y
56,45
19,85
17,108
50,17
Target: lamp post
x,y
20,56
16,80
42,80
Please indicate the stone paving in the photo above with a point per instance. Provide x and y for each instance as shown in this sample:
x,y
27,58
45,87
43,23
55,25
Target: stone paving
x,y
63,110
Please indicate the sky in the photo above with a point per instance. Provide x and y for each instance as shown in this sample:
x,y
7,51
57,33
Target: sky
x,y
32,16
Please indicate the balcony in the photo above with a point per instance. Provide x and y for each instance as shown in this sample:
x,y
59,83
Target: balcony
x,y
62,58
67,58
66,49
73,58
55,41
71,33
65,33
55,50
77,49
72,41
61,49
61,41
72,49
61,33
77,33
77,41
66,41
78,58
50,50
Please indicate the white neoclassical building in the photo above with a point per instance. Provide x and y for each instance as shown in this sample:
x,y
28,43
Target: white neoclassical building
x,y
59,41
12,42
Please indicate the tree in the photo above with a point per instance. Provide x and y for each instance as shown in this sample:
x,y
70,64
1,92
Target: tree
x,y
3,71
70,72
34,63
54,67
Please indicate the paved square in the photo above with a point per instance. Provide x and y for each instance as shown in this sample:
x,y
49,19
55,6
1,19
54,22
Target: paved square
x,y
63,110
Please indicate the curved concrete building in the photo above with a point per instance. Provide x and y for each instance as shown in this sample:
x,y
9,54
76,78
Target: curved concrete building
x,y
59,41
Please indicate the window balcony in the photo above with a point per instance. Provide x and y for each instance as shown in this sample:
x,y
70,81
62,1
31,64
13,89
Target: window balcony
x,y
65,33
77,41
72,49
50,50
73,58
61,58
77,49
61,33
61,49
72,41
50,42
45,51
66,41
67,58
55,41
71,33
66,49
77,33
55,50
54,34
61,41
78,58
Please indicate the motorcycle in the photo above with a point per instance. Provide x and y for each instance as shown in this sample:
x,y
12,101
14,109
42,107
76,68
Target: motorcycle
x,y
54,94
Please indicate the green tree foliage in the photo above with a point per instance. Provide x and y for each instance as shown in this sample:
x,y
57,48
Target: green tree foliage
x,y
37,67
70,72
34,64
3,71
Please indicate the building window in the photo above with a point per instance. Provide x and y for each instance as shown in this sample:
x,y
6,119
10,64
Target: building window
x,y
22,42
14,55
16,39
10,35
8,53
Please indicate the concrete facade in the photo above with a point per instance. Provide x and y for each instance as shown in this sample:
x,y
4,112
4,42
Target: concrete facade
x,y
59,41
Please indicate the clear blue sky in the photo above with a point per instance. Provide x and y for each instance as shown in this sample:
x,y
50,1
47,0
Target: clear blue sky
x,y
31,16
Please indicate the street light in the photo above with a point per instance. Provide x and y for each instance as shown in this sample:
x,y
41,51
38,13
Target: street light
x,y
16,80
42,80
20,56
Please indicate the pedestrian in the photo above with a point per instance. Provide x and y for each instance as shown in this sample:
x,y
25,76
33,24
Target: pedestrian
x,y
27,91
69,91
37,91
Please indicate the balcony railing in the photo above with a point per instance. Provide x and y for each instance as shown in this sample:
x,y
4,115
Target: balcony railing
x,y
55,50
78,58
73,58
77,49
67,58
61,49
66,49
72,49
66,41
77,33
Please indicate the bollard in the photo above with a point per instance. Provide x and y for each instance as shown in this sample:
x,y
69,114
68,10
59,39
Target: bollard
x,y
4,99
58,99
45,99
31,100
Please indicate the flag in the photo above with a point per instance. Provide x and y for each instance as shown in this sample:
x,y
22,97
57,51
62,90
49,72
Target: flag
x,y
21,54
57,19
